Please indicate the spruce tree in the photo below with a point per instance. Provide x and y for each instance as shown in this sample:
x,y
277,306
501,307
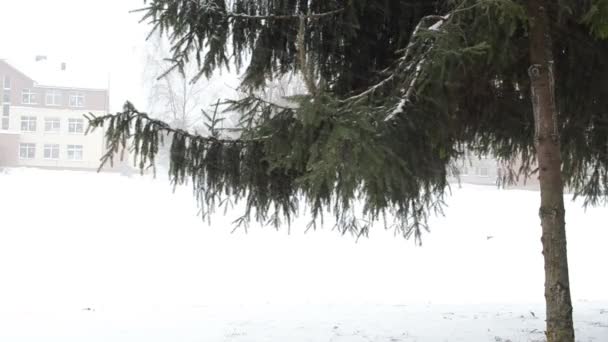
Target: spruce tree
x,y
396,92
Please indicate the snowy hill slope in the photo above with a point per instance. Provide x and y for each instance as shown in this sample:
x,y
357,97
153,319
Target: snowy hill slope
x,y
101,257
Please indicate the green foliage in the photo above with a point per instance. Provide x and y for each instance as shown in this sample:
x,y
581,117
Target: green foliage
x,y
212,33
597,18
407,86
329,157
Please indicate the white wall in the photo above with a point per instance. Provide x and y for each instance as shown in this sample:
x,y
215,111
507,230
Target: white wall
x,y
92,143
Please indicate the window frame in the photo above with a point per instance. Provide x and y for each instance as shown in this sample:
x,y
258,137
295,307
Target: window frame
x,y
70,125
52,148
72,151
53,94
4,82
31,95
29,119
76,95
29,147
53,120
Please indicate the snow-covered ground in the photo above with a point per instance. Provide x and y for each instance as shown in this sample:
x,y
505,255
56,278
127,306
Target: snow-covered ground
x,y
103,257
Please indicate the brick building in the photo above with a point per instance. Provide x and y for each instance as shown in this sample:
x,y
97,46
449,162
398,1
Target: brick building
x,y
41,122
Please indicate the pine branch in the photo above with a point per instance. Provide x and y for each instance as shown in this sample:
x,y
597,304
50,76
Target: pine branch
x,y
411,59
369,91
270,103
407,56
407,97
309,16
131,114
232,15
144,134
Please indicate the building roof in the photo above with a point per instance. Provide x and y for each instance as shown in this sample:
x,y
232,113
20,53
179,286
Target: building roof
x,y
61,73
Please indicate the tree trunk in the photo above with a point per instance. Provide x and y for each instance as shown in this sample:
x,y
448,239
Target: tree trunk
x,y
552,213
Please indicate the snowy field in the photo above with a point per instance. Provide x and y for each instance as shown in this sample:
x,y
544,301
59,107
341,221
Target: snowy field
x,y
103,257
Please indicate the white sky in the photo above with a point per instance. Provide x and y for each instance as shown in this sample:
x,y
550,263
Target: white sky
x,y
99,33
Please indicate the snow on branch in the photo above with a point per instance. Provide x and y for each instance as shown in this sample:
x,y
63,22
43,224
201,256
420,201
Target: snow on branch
x,y
436,26
440,20
406,60
369,91
410,90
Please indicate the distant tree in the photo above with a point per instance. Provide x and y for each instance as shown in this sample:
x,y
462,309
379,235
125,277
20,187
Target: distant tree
x,y
395,92
176,94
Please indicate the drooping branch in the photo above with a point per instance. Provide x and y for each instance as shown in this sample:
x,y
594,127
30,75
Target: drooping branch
x,y
237,16
286,156
144,134
309,16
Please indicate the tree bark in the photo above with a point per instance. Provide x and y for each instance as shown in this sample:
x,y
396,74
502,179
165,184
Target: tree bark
x,y
560,327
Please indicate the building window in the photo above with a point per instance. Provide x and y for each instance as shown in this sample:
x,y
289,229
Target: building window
x,y
52,125
28,96
7,82
51,151
27,151
74,152
6,111
77,100
75,125
6,96
483,172
53,98
28,123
